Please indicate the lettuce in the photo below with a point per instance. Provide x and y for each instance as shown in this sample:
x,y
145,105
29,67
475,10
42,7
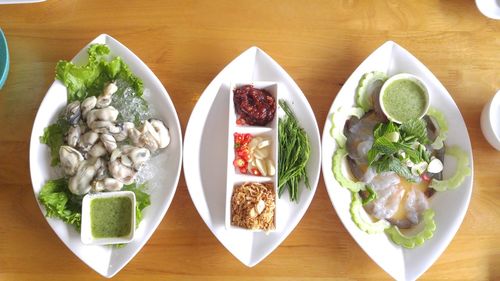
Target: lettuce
x,y
89,79
142,199
53,136
60,203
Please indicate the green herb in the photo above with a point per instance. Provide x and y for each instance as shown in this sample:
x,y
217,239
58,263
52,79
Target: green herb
x,y
90,79
142,199
396,145
294,152
59,202
53,136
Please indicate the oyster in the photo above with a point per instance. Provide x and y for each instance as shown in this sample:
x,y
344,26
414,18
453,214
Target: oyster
x,y
109,142
121,172
123,134
70,159
88,140
109,184
97,150
73,135
73,112
102,114
106,97
162,133
87,105
104,127
79,184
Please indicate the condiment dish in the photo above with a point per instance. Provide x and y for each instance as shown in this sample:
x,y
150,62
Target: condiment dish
x,y
490,121
87,217
402,77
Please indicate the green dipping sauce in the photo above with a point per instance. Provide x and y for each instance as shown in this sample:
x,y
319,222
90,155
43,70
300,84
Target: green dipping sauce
x,y
403,100
110,217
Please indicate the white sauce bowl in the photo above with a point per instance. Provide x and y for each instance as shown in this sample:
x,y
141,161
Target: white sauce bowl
x,y
490,121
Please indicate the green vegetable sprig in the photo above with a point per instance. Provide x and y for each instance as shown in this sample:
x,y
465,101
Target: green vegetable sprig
x,y
294,152
396,146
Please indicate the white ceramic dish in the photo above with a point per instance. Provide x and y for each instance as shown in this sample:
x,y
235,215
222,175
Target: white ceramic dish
x,y
490,121
450,206
489,8
270,131
86,227
106,260
206,151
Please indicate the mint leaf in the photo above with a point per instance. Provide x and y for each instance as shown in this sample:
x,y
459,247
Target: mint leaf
x,y
385,146
372,156
415,128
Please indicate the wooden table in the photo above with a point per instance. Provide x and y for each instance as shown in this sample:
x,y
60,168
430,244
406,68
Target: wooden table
x,y
186,43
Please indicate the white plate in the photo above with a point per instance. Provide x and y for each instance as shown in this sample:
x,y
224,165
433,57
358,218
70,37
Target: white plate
x,y
104,259
450,206
205,154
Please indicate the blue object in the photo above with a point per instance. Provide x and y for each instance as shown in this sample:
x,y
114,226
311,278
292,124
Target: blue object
x,y
4,59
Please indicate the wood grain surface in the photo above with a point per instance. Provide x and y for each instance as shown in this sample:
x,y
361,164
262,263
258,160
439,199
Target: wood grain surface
x,y
186,43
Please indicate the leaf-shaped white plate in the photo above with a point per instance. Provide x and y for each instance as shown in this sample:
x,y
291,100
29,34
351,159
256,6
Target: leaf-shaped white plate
x,y
104,259
450,206
205,154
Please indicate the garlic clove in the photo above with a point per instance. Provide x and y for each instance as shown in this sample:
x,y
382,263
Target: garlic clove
x,y
271,170
261,167
419,168
264,143
435,166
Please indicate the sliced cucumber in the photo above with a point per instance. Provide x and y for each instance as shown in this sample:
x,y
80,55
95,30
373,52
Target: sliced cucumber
x,y
463,170
417,239
338,158
339,117
361,218
368,85
438,116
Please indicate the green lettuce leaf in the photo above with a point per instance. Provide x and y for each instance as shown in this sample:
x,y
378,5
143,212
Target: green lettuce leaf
x,y
53,136
142,199
89,79
60,203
